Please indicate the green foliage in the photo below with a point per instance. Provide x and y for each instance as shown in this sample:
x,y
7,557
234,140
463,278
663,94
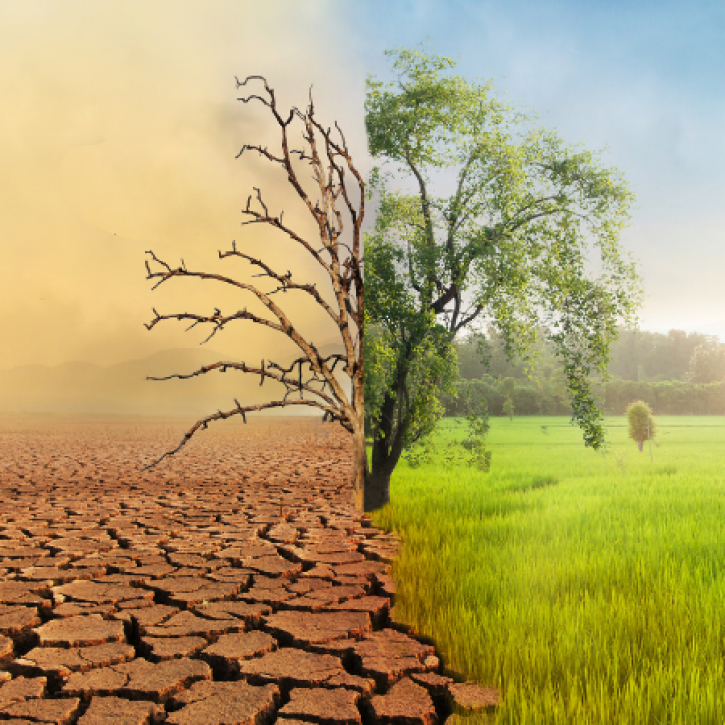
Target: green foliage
x,y
483,367
529,397
380,361
641,423
478,427
516,235
429,363
636,355
474,443
667,397
422,453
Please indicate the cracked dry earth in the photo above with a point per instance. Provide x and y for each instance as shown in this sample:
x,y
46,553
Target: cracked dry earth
x,y
233,584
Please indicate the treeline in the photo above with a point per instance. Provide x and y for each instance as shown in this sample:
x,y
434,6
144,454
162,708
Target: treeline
x,y
528,398
675,374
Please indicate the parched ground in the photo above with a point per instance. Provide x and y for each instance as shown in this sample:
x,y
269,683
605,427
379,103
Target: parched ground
x,y
233,583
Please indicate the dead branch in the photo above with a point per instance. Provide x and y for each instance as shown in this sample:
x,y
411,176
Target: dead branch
x,y
332,414
309,374
297,385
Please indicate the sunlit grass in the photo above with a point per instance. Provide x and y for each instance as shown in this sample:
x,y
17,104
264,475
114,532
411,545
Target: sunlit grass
x,y
587,587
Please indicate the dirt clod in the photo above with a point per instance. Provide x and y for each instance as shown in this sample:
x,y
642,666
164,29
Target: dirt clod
x,y
233,583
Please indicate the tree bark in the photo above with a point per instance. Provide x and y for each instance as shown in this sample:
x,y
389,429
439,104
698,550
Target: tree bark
x,y
377,489
377,481
640,444
385,456
360,463
387,442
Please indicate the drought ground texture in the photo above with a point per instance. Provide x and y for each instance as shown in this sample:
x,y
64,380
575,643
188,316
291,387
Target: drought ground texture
x,y
588,588
232,584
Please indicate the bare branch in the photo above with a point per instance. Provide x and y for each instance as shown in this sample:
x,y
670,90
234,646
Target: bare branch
x,y
223,366
241,410
310,373
285,280
219,321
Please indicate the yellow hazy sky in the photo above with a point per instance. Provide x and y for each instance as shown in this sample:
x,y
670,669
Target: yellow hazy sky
x,y
118,134
120,124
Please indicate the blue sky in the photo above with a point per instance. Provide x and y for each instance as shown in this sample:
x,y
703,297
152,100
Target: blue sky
x,y
124,126
645,81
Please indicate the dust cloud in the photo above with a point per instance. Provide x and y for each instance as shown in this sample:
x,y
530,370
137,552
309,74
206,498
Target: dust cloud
x,y
120,133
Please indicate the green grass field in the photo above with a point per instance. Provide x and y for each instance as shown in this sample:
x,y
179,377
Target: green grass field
x,y
588,587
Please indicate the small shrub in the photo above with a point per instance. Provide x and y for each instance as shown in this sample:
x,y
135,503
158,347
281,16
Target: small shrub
x,y
641,423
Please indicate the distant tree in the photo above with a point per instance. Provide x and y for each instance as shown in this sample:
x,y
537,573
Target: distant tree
x,y
512,244
636,355
641,355
310,374
508,408
641,423
707,364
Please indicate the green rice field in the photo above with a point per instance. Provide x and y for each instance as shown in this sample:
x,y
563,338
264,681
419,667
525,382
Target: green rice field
x,y
588,588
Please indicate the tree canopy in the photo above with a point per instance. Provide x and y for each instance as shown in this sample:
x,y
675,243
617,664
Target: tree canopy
x,y
641,424
511,245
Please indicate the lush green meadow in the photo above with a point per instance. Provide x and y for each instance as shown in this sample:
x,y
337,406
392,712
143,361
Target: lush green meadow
x,y
587,587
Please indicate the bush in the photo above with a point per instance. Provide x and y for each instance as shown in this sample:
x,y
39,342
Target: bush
x,y
641,423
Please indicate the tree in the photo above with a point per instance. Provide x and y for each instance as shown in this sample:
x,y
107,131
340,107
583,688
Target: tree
x,y
707,364
641,355
509,245
310,374
508,408
641,423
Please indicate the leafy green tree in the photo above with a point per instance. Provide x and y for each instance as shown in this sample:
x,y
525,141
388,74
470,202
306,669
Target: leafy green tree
x,y
509,245
641,423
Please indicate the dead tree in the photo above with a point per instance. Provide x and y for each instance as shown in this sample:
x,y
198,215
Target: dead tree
x,y
310,374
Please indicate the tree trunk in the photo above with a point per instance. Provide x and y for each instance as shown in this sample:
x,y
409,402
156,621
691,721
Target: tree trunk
x,y
387,445
377,481
360,463
377,489
640,444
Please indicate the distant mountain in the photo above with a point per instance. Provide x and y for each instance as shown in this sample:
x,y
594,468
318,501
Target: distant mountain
x,y
82,387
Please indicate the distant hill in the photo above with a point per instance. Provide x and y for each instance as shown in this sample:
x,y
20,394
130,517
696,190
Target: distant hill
x,y
82,387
